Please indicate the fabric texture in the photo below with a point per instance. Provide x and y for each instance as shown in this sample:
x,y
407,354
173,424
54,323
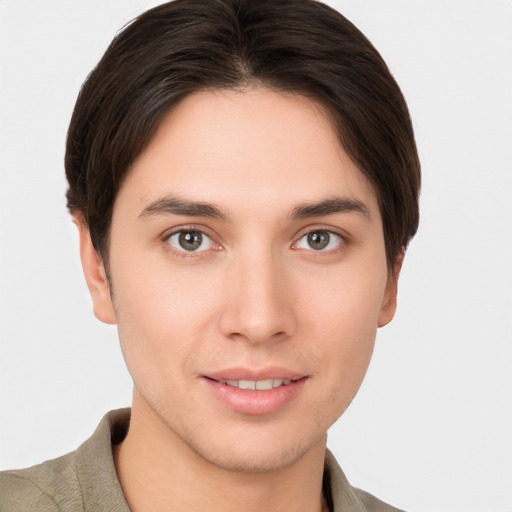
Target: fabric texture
x,y
86,480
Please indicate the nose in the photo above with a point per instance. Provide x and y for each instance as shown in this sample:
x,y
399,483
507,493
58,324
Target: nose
x,y
259,300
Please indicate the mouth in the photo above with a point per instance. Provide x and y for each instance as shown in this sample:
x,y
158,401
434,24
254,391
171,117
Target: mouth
x,y
256,385
256,393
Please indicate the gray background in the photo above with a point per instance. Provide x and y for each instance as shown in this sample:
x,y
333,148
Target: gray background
x,y
431,427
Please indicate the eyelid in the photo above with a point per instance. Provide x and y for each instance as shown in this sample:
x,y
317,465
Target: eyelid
x,y
188,227
323,227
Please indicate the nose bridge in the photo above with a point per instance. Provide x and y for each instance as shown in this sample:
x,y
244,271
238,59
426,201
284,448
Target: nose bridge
x,y
259,307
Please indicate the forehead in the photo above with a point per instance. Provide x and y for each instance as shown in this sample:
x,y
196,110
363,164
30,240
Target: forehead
x,y
252,147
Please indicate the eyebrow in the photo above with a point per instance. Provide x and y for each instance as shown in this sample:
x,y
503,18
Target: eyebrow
x,y
173,205
331,206
178,206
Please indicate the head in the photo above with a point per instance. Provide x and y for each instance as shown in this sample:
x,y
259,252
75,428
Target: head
x,y
245,180
185,46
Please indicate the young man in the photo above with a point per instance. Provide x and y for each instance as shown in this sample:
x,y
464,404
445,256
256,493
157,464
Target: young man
x,y
244,179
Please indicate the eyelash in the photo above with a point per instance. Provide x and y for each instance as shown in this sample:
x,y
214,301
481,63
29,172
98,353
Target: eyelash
x,y
342,241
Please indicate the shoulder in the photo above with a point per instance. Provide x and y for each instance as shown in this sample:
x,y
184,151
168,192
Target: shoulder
x,y
373,504
18,494
83,479
48,487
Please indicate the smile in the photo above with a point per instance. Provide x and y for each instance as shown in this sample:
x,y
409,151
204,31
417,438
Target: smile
x,y
256,385
249,393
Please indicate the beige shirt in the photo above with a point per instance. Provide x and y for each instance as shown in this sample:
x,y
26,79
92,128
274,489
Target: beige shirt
x,y
86,480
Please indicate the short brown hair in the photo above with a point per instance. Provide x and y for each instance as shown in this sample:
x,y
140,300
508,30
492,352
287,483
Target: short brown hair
x,y
300,46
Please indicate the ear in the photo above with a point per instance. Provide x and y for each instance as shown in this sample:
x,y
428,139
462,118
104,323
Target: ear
x,y
389,301
95,275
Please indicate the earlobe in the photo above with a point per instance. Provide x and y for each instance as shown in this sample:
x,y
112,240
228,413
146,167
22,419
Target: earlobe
x,y
95,276
389,303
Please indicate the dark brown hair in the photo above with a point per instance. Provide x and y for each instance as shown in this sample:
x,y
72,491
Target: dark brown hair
x,y
184,46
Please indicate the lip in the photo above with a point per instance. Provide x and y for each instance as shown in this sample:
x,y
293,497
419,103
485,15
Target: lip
x,y
271,372
255,402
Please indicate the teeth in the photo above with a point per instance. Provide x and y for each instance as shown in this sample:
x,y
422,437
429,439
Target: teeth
x,y
247,384
261,385
264,384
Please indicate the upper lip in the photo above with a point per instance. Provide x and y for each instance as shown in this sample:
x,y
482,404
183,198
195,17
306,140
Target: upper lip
x,y
271,372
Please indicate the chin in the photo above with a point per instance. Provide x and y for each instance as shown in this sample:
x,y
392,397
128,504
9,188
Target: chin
x,y
248,451
255,460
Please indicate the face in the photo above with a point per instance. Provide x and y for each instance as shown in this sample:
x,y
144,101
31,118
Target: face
x,y
248,276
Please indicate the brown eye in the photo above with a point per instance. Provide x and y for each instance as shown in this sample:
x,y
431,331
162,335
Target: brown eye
x,y
190,241
318,240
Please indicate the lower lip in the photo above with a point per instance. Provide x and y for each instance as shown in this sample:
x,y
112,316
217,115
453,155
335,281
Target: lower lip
x,y
256,402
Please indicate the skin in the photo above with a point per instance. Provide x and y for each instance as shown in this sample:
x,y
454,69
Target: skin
x,y
258,295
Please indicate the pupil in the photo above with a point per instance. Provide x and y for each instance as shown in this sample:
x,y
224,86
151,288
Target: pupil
x,y
190,240
318,240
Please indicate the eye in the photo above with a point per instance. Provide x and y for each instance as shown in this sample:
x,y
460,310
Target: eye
x,y
321,240
190,241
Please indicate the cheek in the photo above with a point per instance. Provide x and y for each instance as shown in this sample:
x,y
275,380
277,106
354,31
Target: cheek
x,y
161,318
158,295
347,302
343,318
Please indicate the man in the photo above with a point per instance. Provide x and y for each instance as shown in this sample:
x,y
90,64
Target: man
x,y
244,179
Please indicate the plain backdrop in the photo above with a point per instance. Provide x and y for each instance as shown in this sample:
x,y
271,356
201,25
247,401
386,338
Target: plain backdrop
x,y
431,428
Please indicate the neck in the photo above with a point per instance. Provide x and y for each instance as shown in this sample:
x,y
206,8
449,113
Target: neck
x,y
159,472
